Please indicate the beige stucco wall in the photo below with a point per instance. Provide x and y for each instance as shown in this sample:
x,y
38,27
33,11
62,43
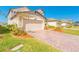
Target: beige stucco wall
x,y
13,21
16,21
35,26
28,26
25,25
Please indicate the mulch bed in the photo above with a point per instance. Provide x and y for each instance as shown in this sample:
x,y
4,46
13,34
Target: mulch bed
x,y
22,36
1,36
54,29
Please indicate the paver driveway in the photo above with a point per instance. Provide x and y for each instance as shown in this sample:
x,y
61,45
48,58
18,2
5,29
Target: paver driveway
x,y
62,41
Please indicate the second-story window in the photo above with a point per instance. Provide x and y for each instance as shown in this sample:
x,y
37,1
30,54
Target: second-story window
x,y
32,17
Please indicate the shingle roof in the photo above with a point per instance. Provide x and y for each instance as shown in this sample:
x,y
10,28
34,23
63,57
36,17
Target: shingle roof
x,y
27,13
21,9
24,12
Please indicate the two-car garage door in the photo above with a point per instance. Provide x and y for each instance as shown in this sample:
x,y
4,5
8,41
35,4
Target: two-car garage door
x,y
34,27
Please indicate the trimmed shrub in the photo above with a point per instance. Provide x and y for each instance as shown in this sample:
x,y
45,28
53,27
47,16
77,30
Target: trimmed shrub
x,y
15,30
58,29
3,29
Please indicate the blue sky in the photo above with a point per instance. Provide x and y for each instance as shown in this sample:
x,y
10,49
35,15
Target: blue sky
x,y
58,12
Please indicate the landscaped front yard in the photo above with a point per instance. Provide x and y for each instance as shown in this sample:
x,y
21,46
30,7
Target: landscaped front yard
x,y
7,42
74,32
68,30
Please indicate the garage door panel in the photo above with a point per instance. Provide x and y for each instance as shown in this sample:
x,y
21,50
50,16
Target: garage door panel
x,y
34,27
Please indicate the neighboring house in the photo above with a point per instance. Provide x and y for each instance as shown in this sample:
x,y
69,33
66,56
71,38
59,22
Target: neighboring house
x,y
58,23
26,19
2,23
54,23
66,23
76,23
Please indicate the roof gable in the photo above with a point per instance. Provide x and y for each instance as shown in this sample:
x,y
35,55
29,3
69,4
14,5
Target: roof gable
x,y
24,11
21,9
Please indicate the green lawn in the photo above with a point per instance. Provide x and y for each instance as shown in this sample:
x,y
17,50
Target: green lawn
x,y
77,27
69,31
51,26
74,32
7,42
